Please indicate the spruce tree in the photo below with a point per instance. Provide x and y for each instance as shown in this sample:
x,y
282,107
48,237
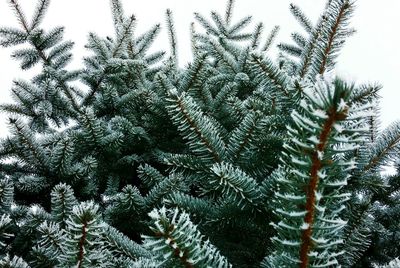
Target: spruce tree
x,y
235,160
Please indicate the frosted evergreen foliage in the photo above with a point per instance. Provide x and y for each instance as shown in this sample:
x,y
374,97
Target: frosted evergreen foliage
x,y
236,159
176,237
15,262
392,264
309,227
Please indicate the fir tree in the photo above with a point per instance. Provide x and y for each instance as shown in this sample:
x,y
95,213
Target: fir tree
x,y
235,160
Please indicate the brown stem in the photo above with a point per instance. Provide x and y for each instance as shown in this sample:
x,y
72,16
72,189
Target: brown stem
x,y
173,245
81,251
374,161
332,37
313,184
308,56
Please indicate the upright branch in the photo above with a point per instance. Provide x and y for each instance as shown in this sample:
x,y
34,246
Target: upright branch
x,y
20,15
172,36
334,33
326,39
312,188
313,159
40,11
301,17
176,237
228,12
37,43
123,38
271,37
385,148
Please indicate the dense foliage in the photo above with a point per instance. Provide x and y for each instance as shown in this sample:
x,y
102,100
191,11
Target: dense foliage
x,y
235,160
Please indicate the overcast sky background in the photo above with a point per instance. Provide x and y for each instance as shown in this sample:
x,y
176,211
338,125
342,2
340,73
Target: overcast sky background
x,y
372,55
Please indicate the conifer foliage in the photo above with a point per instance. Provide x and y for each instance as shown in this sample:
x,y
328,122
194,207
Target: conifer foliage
x,y
235,160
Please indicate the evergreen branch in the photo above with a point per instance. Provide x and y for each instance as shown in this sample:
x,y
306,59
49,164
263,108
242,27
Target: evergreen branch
x,y
119,244
193,42
12,37
219,22
299,39
122,38
51,239
223,55
240,37
234,184
203,22
193,72
32,184
242,136
301,17
231,48
242,62
20,15
173,183
39,13
357,233
175,236
271,37
33,154
198,207
143,41
184,161
263,67
316,165
239,25
40,52
47,62
28,57
310,200
155,57
6,194
118,14
255,38
172,36
341,19
230,89
5,229
309,49
60,50
162,84
237,108
202,136
92,126
62,203
290,49
50,39
149,175
128,201
84,228
61,156
365,94
385,148
228,11
15,262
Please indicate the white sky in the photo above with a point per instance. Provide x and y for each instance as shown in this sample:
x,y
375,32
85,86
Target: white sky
x,y
372,55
